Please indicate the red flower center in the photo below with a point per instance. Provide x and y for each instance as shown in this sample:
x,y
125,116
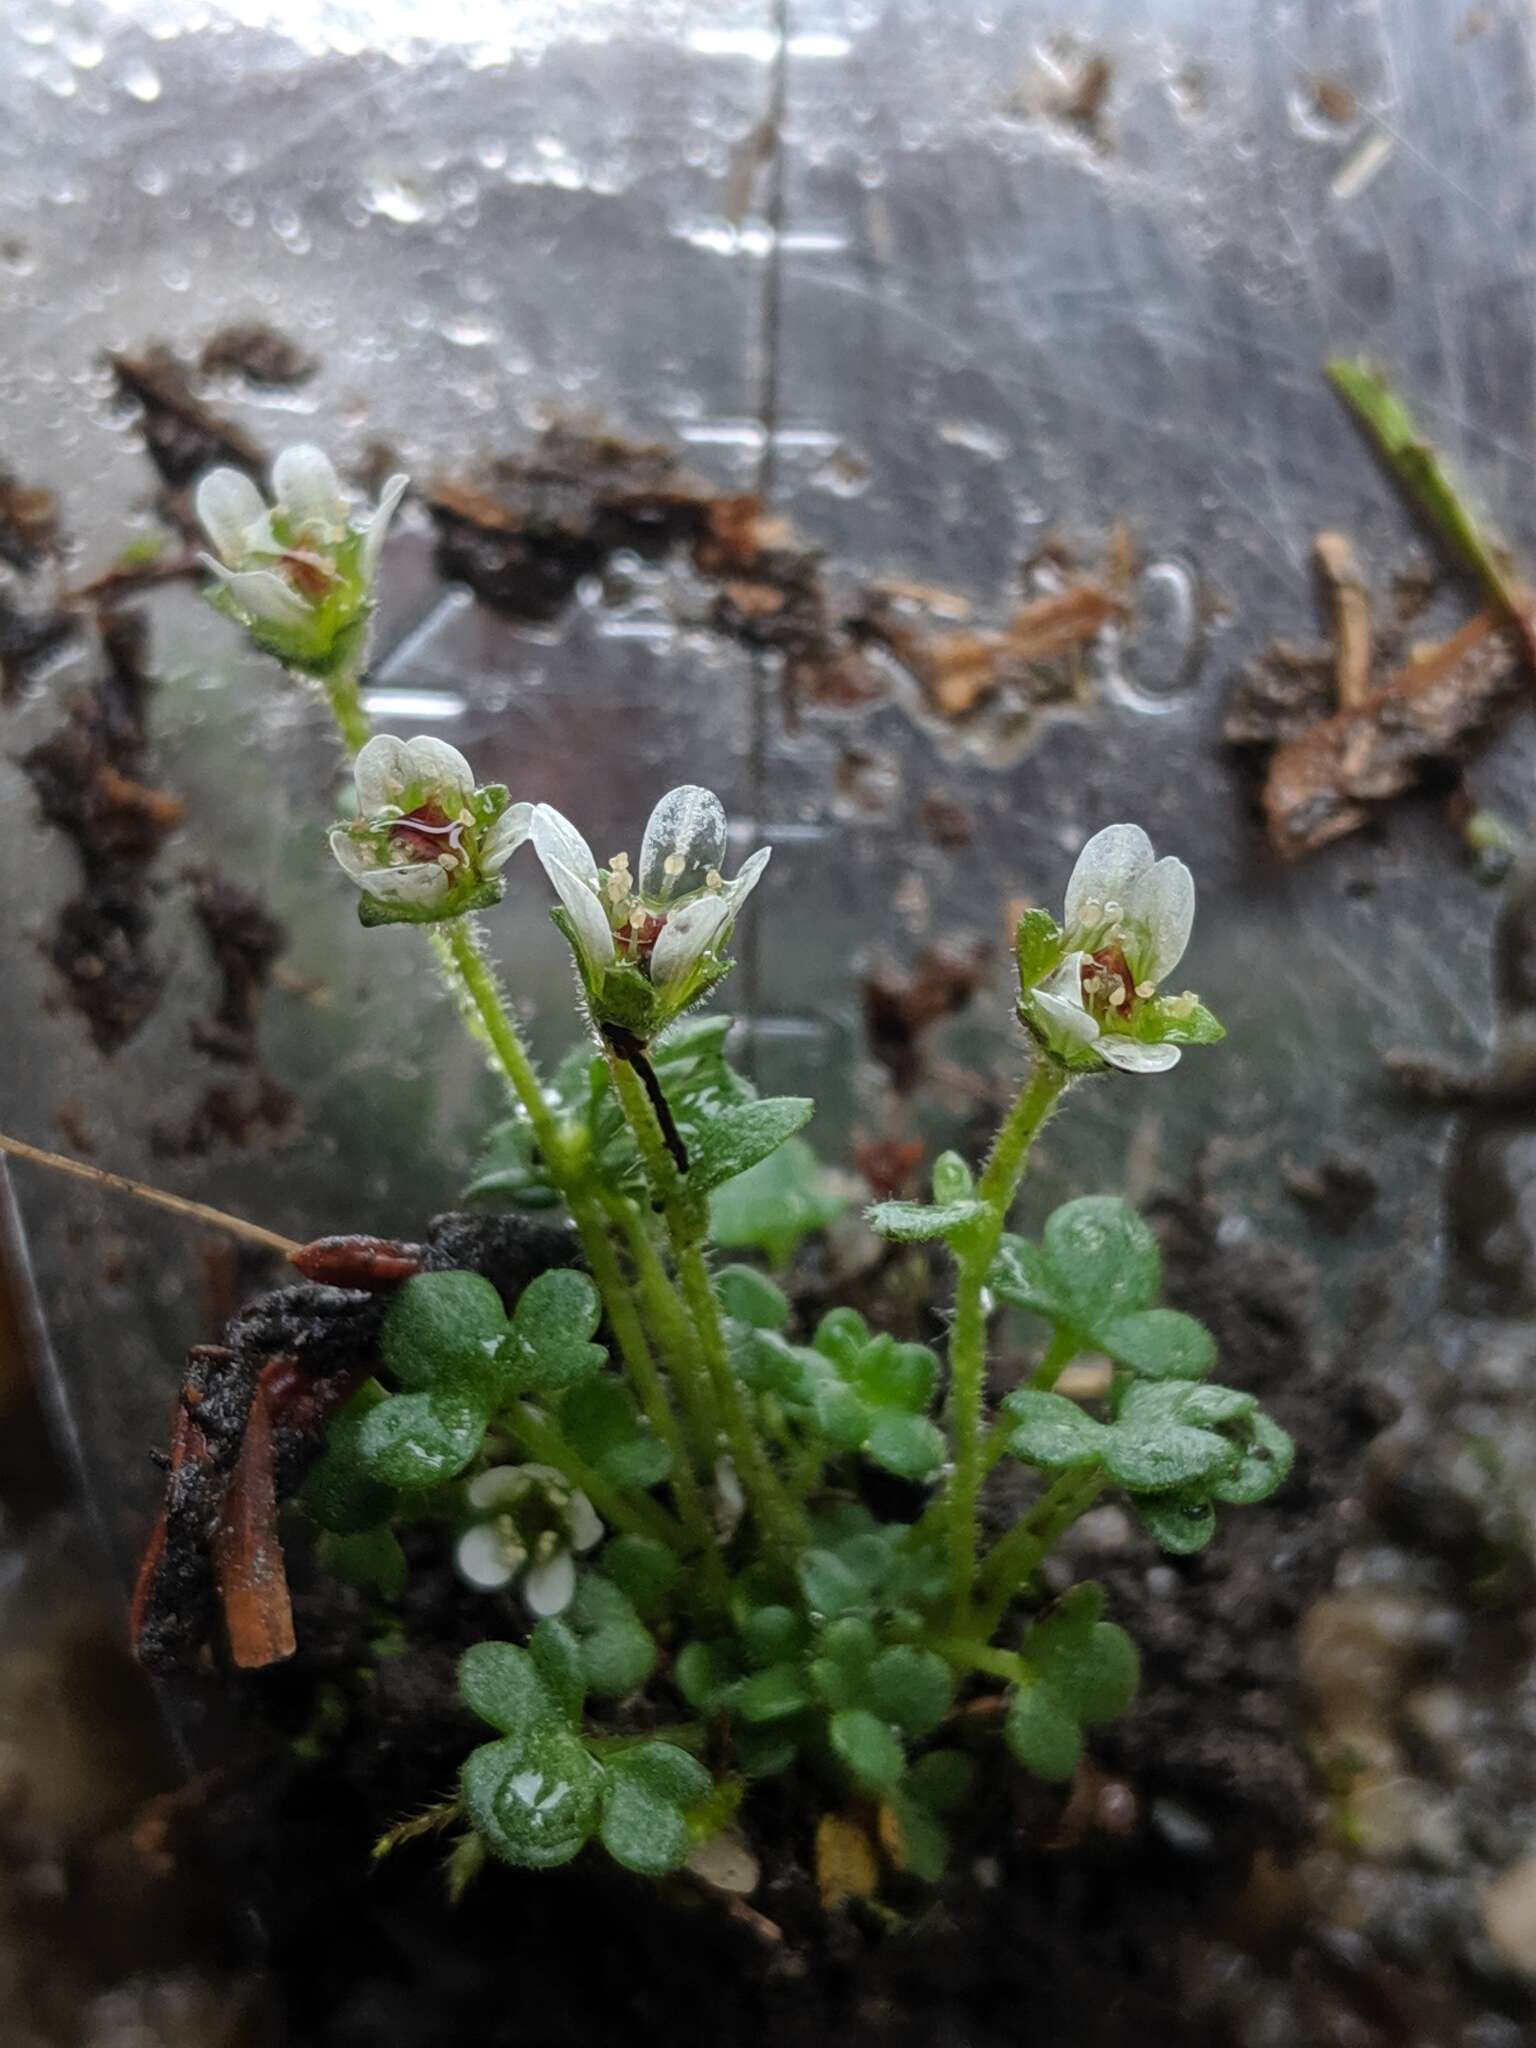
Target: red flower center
x,y
428,831
1108,986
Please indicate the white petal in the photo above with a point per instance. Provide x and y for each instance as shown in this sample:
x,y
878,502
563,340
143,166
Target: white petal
x,y
440,769
687,934
688,825
730,1499
1132,1057
357,858
228,506
418,882
498,1486
377,526
261,595
556,838
1060,995
382,770
505,837
583,1522
747,880
551,1587
1161,902
1107,866
593,933
306,487
486,1559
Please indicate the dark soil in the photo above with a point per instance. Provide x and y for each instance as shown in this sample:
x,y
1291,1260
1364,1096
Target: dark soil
x,y
901,1009
28,638
29,522
183,435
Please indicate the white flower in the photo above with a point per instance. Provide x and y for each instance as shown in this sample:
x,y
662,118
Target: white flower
x,y
299,572
675,912
426,839
1128,919
531,1523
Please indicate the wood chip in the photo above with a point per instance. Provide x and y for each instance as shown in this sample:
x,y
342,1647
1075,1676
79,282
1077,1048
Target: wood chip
x,y
1321,785
1351,618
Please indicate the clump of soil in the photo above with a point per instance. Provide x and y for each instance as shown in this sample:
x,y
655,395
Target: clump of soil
x,y
28,638
91,781
183,436
257,353
900,1009
244,943
29,522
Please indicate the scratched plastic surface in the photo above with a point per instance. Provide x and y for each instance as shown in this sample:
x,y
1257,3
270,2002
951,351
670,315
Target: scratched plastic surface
x,y
934,324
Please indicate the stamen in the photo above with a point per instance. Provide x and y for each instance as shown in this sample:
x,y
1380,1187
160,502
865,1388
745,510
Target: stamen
x,y
1146,990
714,879
674,864
1111,909
639,916
620,860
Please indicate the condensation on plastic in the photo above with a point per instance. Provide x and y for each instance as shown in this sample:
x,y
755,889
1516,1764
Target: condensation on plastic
x,y
939,324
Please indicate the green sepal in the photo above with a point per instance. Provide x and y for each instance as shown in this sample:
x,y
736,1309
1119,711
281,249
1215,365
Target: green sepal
x,y
1038,944
470,895
1166,1020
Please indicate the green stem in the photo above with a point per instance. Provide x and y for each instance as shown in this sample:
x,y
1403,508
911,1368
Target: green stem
x,y
459,945
344,694
635,1514
968,1335
779,1515
1059,1354
1015,1557
973,1656
669,1319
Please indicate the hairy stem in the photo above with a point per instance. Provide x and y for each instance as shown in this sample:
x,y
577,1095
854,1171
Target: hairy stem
x,y
635,1514
778,1514
460,948
669,1320
968,1335
1017,1556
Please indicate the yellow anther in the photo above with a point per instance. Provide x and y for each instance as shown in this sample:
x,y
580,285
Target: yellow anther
x,y
673,864
714,879
638,915
1146,990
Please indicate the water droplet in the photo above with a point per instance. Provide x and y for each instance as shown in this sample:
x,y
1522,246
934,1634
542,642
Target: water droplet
x,y
141,82
395,200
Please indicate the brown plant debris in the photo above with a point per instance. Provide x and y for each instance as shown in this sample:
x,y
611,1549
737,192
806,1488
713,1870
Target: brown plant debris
x,y
899,1009
1341,1190
27,640
1322,784
182,435
1332,98
29,522
244,942
259,354
91,782
1351,601
959,671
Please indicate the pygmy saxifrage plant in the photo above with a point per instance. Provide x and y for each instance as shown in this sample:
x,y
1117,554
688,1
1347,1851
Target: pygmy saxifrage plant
x,y
645,1444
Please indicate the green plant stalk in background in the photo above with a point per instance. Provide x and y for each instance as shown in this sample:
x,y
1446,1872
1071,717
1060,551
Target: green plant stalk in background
x,y
974,1253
